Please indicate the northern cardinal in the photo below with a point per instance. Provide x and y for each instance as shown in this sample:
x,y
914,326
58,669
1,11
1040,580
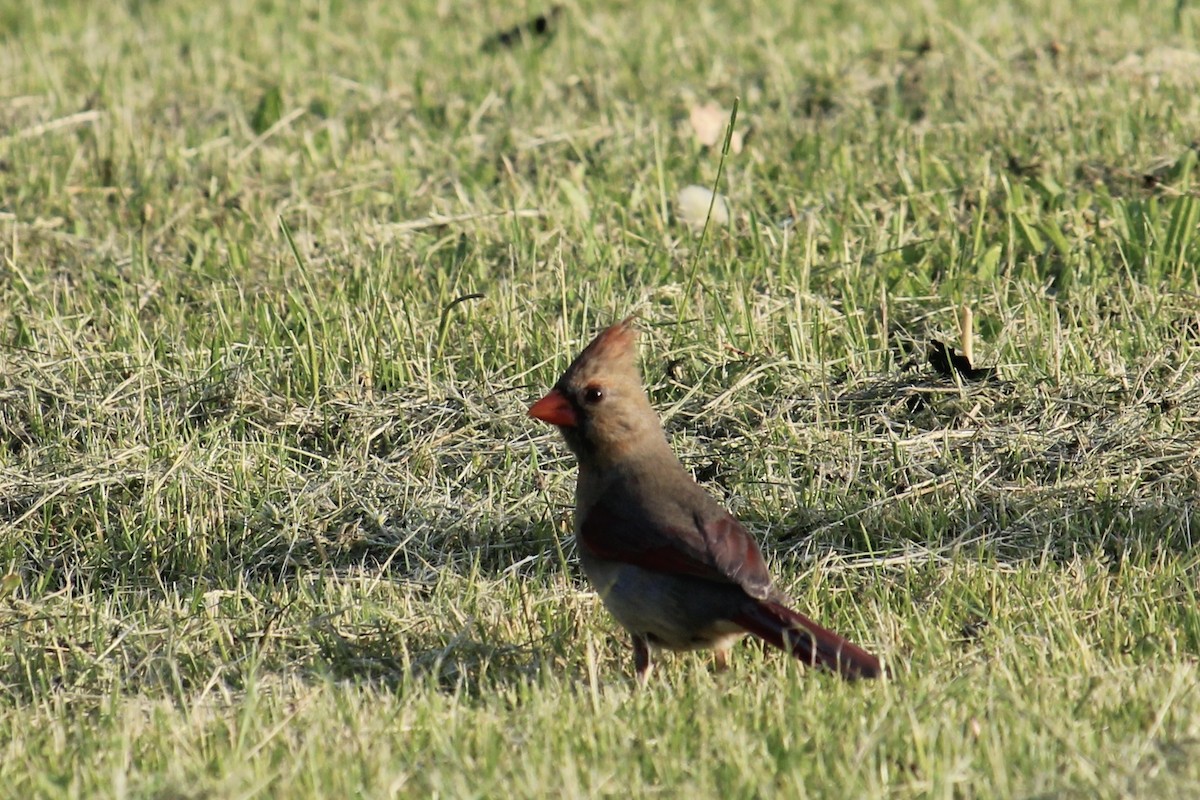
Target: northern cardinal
x,y
674,567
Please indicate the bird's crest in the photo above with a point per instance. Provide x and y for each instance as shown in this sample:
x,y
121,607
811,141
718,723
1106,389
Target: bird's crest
x,y
612,351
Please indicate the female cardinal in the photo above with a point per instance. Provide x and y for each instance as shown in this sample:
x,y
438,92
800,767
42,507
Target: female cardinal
x,y
673,566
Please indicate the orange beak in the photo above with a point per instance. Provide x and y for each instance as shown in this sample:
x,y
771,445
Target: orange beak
x,y
556,409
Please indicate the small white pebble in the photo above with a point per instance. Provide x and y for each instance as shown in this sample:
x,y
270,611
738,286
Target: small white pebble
x,y
693,207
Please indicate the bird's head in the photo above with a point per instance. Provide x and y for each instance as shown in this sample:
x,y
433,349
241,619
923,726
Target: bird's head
x,y
599,404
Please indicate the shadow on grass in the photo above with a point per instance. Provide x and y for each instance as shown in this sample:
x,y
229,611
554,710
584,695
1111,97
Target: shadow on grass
x,y
1031,473
464,664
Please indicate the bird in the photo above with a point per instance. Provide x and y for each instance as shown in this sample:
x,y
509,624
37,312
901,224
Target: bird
x,y
669,562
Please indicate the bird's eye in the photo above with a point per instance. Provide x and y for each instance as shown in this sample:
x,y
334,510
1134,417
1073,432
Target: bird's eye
x,y
593,394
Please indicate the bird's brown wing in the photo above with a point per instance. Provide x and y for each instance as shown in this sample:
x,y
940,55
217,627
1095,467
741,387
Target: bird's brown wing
x,y
707,543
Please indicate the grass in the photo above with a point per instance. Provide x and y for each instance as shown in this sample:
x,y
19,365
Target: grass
x,y
278,281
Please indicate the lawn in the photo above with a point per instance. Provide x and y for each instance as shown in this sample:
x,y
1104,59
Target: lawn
x,y
278,282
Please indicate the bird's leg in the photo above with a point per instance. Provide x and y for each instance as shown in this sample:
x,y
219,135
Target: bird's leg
x,y
641,659
721,659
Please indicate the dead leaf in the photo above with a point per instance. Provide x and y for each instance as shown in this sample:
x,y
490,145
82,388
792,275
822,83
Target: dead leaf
x,y
709,123
540,27
947,362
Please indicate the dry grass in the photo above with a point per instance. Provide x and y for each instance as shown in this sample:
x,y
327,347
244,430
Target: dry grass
x,y
277,283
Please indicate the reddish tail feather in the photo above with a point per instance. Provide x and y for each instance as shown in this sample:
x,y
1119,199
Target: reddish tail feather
x,y
795,633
